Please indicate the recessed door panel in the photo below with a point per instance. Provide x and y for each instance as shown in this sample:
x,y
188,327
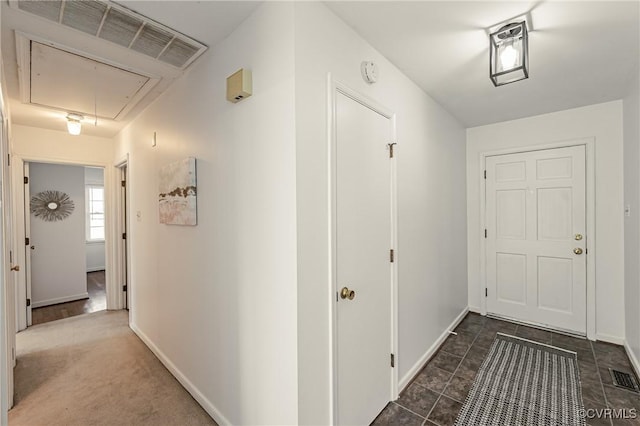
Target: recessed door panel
x,y
554,168
555,213
511,277
555,284
511,214
511,172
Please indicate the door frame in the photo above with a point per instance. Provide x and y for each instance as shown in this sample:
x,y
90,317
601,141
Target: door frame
x,y
334,88
590,209
122,271
114,300
24,292
7,277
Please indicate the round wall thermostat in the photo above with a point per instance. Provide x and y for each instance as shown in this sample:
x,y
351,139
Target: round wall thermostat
x,y
369,71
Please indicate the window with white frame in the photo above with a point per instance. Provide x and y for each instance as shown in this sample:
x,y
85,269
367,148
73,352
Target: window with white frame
x,y
95,213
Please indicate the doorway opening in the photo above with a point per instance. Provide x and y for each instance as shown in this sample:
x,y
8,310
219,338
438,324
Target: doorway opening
x,y
65,262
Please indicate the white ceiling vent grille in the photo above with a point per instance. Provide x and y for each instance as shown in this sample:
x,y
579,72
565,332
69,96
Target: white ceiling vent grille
x,y
117,24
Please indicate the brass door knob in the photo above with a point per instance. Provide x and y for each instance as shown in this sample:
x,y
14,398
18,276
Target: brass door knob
x,y
345,293
577,250
15,268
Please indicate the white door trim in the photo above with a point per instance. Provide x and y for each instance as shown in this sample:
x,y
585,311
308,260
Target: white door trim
x,y
114,299
333,89
122,209
589,144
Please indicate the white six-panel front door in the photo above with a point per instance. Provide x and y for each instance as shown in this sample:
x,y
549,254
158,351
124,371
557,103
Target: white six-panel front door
x,y
535,237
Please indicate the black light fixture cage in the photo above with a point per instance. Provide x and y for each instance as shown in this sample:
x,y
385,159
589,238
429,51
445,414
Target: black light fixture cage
x,y
513,34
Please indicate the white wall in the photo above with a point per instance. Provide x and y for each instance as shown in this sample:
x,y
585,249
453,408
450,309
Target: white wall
x,y
94,249
217,301
7,290
632,222
58,263
431,202
50,146
602,122
38,144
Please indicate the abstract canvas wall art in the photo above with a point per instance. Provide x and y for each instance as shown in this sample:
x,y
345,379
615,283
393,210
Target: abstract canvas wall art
x,y
178,193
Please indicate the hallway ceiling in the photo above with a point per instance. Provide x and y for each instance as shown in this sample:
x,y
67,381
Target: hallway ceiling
x,y
52,69
581,52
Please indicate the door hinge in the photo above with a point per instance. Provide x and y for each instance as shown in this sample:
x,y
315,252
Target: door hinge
x,y
391,256
485,232
28,302
124,235
124,183
391,149
486,292
26,241
8,159
10,256
485,174
393,360
124,288
26,180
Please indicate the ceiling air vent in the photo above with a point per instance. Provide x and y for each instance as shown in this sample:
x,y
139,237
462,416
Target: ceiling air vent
x,y
117,24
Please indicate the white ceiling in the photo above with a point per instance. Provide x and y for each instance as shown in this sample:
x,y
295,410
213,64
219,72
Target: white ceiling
x,y
581,52
208,22
69,82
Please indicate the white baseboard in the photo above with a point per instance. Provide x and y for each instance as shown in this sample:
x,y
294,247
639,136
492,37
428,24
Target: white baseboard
x,y
475,309
610,339
57,300
632,356
184,381
96,269
413,371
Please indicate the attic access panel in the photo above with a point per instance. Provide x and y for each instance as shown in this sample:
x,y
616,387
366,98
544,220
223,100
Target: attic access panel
x,y
71,82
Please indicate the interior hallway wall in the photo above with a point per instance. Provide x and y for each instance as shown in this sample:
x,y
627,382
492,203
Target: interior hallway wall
x,y
430,157
51,146
217,301
632,220
602,122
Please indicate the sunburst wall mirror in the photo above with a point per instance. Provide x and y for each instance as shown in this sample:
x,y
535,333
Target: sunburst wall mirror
x,y
51,205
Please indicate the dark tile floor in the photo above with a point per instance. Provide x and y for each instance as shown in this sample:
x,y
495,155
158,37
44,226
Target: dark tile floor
x,y
437,393
97,301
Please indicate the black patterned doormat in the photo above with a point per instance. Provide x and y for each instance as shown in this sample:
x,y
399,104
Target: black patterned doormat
x,y
524,383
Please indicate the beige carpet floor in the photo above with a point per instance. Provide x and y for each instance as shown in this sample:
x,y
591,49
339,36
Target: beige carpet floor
x,y
93,370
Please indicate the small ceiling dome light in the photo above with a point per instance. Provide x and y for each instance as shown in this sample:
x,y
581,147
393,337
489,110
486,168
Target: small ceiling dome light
x,y
509,54
74,123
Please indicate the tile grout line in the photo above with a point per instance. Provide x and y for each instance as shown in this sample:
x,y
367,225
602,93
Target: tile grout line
x,y
454,372
407,409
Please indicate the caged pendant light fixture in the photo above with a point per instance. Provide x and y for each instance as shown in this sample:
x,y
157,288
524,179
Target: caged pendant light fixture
x,y
509,54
